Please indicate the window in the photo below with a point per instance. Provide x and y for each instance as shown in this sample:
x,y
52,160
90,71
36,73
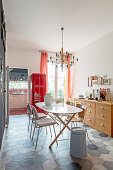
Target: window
x,y
18,85
51,79
60,82
55,81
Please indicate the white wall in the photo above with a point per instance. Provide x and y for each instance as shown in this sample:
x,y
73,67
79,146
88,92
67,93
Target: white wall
x,y
94,59
23,58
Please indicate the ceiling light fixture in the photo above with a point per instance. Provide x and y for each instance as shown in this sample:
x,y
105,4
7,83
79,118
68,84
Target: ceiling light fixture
x,y
65,59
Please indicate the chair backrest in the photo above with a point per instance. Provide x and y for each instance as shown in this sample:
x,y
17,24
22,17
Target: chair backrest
x,y
35,113
81,114
28,110
68,102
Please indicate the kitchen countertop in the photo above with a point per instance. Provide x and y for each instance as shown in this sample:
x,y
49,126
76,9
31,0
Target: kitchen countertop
x,y
17,93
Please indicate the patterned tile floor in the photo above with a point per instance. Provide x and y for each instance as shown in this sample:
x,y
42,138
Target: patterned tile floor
x,y
17,152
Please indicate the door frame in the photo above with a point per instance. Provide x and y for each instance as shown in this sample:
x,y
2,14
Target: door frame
x,y
8,68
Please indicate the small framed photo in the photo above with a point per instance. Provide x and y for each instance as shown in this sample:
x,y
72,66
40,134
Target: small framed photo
x,y
89,82
94,82
106,81
105,76
99,81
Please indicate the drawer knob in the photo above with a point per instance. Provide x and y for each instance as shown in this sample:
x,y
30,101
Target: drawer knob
x,y
102,107
89,104
102,115
102,124
89,119
89,111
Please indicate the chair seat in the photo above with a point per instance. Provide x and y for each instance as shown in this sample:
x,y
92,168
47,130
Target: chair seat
x,y
45,122
41,115
76,119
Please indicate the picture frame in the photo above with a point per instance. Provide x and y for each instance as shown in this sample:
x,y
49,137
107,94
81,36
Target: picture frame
x,y
104,76
89,82
99,81
94,82
106,81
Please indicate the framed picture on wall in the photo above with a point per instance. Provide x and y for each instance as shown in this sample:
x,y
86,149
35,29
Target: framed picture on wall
x,y
94,82
106,81
99,81
89,82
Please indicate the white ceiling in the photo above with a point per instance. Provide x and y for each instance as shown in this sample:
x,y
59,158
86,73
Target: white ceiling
x,y
37,23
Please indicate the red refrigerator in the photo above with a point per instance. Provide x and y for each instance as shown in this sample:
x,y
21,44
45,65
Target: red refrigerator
x,y
37,89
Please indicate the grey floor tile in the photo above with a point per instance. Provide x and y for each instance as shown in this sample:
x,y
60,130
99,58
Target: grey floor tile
x,y
108,165
27,162
17,152
12,165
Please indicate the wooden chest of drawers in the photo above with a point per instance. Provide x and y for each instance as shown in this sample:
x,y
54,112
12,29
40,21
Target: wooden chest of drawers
x,y
103,117
80,101
99,115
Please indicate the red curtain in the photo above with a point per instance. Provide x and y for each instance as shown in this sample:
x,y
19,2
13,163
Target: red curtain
x,y
68,86
44,67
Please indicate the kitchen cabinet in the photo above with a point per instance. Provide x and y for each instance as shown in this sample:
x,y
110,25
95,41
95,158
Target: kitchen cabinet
x,y
14,101
17,101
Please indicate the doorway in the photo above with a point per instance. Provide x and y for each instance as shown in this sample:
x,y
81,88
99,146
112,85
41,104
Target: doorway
x,y
18,91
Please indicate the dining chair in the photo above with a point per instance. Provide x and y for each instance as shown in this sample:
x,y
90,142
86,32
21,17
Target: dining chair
x,y
66,115
39,123
79,117
29,114
31,117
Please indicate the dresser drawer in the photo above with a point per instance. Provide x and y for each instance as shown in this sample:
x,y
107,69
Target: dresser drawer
x,y
103,107
90,112
90,105
89,120
103,125
103,115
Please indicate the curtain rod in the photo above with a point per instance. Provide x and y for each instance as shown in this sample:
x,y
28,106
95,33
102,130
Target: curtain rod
x,y
51,52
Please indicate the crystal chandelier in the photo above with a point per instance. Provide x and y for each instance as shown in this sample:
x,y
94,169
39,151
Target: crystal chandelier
x,y
64,58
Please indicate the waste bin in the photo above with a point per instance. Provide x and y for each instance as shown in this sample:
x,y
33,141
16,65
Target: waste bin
x,y
78,142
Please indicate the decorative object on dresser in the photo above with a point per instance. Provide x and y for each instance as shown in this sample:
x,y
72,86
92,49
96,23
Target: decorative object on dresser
x,y
108,96
102,94
96,94
81,96
99,115
90,97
